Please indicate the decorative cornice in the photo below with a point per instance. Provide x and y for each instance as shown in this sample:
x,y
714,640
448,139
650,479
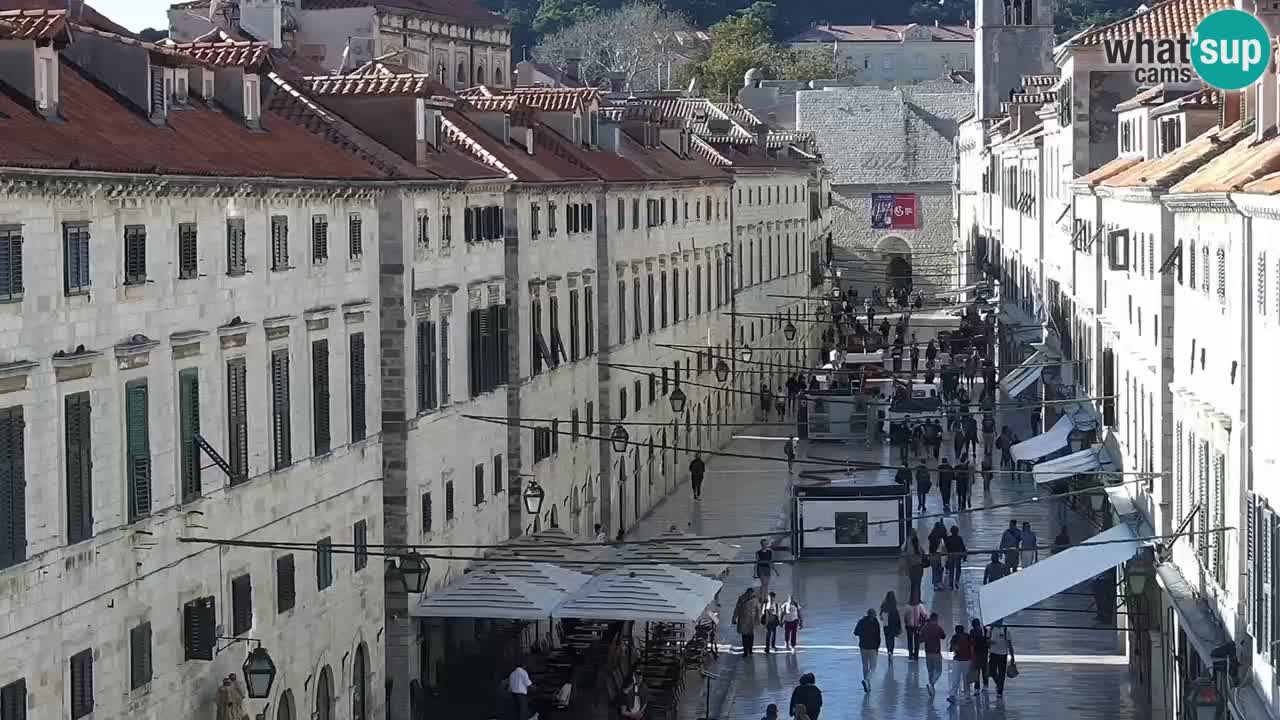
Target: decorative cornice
x,y
1199,202
75,184
1259,206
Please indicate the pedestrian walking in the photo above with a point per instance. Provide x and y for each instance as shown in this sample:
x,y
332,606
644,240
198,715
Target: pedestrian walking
x,y
807,697
600,536
987,472
1035,420
868,633
978,672
1004,444
884,331
971,369
963,475
931,638
988,434
771,619
945,477
792,621
790,451
961,658
770,712
697,468
916,563
970,432
1010,541
934,433
1030,551
766,401
923,484
1061,541
780,407
956,555
518,684
915,357
746,615
917,440
930,352
994,570
764,565
916,618
891,622
958,441
1000,658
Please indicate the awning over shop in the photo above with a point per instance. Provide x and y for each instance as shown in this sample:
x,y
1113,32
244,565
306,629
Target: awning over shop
x,y
1025,375
660,593
490,594
1057,573
1197,620
1089,460
1045,443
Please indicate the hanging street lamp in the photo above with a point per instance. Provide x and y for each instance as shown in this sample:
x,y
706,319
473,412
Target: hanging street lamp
x,y
533,496
678,400
722,370
789,332
619,439
414,573
259,673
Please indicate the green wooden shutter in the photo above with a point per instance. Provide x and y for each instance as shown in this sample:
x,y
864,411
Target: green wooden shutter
x,y
281,432
79,468
241,605
426,375
13,488
444,362
360,539
137,449
13,701
286,591
199,628
474,342
320,395
188,430
81,684
188,251
140,666
237,420
357,387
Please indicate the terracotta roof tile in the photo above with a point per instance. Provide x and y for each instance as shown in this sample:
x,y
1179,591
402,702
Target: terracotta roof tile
x,y
1038,81
1168,19
1109,169
738,114
249,55
100,133
40,25
881,33
1151,96
1244,163
557,99
417,84
1166,172
84,14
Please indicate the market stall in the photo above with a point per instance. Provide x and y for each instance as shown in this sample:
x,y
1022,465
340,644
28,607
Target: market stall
x,y
849,513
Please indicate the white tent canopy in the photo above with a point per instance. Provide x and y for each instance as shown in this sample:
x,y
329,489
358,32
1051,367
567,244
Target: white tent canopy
x,y
490,594
689,552
1045,443
1057,573
1026,374
1089,460
554,545
649,593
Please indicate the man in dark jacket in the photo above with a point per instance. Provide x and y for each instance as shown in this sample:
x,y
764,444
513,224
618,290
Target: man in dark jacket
x,y
944,484
868,633
807,694
923,484
697,469
963,478
956,553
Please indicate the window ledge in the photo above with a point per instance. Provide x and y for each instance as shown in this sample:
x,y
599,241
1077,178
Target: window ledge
x,y
13,376
135,352
74,365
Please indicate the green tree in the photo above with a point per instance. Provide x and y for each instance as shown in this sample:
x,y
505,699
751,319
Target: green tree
x,y
634,41
738,43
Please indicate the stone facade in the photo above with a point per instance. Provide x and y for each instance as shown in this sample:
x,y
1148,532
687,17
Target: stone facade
x,y
887,56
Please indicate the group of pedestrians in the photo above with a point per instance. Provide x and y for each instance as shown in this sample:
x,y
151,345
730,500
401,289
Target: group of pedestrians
x,y
756,608
784,399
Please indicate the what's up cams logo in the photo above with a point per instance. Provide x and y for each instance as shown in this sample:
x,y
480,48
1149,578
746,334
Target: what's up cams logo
x,y
1229,49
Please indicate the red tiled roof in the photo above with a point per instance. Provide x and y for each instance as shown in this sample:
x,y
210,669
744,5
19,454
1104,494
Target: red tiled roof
x,y
882,33
1236,169
83,14
557,99
165,50
467,11
99,133
39,25
1168,19
1170,170
227,53
1113,167
416,84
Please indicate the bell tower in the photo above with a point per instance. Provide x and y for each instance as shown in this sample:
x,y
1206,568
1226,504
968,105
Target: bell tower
x,y
1012,38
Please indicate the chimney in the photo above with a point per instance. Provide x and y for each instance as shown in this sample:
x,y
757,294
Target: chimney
x,y
431,127
617,82
263,19
1230,108
573,65
762,139
1265,107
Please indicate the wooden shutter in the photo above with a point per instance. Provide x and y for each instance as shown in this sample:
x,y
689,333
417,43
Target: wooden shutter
x,y
81,684
10,262
188,251
474,342
468,226
139,656
286,591
426,375
588,320
355,235
319,238
13,488
279,242
357,387
488,339
235,246
188,431
504,337
444,361
320,395
75,257
13,701
281,434
360,539
79,468
324,563
237,420
135,254
137,449
199,629
241,605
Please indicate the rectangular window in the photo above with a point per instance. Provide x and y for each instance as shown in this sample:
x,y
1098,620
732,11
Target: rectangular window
x,y
650,304
551,219
535,219
422,230
662,311
281,421
279,242
324,563
539,353
448,501
558,354
446,229
444,360
135,254
427,371
199,629
320,396
675,295
622,214
13,700
75,258
11,263
319,238
479,483
574,322
697,292
588,323
590,418
188,431
426,512
81,684
188,251
357,387
635,308
13,497
497,474
235,246
238,420
355,236
286,590
622,403
139,658
360,539
137,449
622,312
241,605
79,468
637,395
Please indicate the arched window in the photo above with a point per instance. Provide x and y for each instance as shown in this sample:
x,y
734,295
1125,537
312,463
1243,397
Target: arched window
x,y
461,78
1026,12
555,517
284,711
497,75
480,74
324,695
360,685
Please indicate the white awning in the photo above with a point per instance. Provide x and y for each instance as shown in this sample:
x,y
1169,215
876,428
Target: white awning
x,y
1198,622
554,545
490,594
1057,573
1089,460
689,552
1045,443
1026,374
660,593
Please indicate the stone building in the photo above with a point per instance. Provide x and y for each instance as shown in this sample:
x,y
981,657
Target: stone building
x,y
895,146
888,56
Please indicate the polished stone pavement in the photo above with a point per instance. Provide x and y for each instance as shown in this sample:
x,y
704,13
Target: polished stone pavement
x,y
1065,673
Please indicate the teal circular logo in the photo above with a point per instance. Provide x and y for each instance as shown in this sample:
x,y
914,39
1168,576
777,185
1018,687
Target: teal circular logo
x,y
1230,49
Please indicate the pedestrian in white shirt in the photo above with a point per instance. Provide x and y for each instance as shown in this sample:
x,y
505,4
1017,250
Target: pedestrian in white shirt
x,y
600,536
791,622
518,684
